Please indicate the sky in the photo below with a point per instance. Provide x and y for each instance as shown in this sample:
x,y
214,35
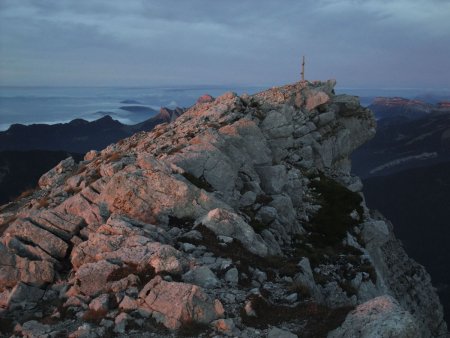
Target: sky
x,y
361,43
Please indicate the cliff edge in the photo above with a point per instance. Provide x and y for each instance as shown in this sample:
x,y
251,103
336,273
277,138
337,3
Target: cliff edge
x,y
239,218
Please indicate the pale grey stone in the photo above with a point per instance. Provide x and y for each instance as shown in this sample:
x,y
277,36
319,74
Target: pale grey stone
x,y
226,223
232,276
273,178
202,276
248,198
275,332
378,317
121,322
100,303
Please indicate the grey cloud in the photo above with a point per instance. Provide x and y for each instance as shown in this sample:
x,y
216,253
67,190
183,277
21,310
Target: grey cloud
x,y
171,42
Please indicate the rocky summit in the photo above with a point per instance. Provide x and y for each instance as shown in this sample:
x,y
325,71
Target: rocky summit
x,y
240,218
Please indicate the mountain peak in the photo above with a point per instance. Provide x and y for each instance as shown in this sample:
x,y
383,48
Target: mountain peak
x,y
244,206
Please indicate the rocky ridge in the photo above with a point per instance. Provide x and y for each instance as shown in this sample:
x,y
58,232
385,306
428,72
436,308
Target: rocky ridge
x,y
240,218
398,107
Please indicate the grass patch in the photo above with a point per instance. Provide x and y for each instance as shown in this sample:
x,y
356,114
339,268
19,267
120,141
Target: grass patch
x,y
326,230
73,190
182,223
27,193
44,202
244,259
330,224
145,275
301,289
192,329
114,157
199,182
257,225
319,318
263,199
94,316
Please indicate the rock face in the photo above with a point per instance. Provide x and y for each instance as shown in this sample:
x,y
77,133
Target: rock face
x,y
378,317
175,304
240,217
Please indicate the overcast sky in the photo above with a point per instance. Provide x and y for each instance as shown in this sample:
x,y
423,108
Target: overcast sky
x,y
361,43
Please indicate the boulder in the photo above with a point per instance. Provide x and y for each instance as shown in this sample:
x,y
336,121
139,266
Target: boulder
x,y
14,269
305,278
100,303
275,125
56,176
137,252
26,230
379,317
273,178
23,296
202,276
177,304
226,223
95,278
315,98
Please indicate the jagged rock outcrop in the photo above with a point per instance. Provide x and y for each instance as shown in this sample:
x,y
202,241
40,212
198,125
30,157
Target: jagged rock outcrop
x,y
239,217
378,317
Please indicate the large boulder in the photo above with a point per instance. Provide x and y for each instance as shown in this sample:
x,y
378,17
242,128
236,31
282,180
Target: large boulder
x,y
226,223
177,304
379,317
135,251
56,176
14,269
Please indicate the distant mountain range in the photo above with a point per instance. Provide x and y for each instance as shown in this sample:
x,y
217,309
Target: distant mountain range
x,y
390,107
406,176
78,136
417,201
20,170
27,152
403,143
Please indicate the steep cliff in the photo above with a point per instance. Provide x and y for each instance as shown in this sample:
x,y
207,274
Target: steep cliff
x,y
240,217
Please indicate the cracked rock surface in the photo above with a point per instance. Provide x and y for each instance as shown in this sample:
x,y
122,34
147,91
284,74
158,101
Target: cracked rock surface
x,y
240,218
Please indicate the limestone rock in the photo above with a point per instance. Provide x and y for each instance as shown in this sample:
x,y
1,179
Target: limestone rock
x,y
202,276
58,174
275,332
225,223
243,169
176,304
378,317
273,178
305,278
315,99
100,303
25,230
14,269
33,328
137,252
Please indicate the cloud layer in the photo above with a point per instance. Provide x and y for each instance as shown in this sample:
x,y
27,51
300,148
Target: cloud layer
x,y
362,43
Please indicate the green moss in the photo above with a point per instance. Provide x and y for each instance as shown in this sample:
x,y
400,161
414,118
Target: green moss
x,y
348,288
257,225
199,182
330,224
244,259
319,319
263,199
323,242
